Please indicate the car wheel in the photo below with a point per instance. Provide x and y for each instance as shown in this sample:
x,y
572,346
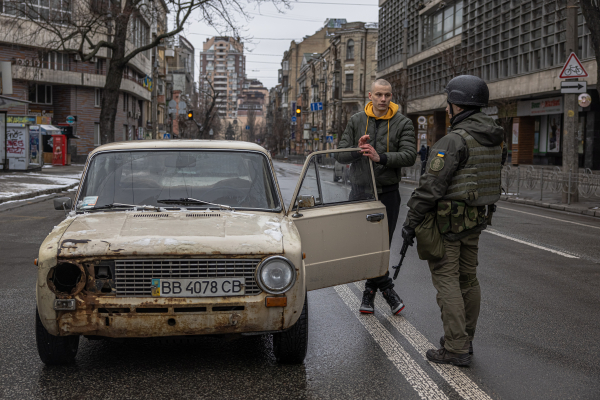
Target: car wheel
x,y
290,346
54,350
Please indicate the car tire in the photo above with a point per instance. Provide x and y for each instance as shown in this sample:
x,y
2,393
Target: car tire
x,y
54,350
290,346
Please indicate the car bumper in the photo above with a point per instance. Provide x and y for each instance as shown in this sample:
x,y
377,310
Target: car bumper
x,y
156,317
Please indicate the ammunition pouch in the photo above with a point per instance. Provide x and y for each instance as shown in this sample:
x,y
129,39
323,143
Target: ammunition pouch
x,y
456,216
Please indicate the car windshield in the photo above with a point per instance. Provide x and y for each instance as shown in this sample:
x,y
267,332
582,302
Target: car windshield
x,y
238,179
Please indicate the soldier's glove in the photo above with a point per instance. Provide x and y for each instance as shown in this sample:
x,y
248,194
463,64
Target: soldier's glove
x,y
408,234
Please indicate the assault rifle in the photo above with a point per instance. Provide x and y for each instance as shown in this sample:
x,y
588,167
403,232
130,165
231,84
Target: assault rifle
x,y
402,255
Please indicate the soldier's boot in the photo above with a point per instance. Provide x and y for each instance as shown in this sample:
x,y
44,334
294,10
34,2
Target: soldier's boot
x,y
367,305
470,346
443,356
394,301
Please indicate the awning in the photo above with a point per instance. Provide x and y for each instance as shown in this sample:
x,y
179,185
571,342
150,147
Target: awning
x,y
7,102
50,130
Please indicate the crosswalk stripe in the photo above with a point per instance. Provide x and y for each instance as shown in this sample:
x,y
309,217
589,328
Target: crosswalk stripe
x,y
463,385
425,387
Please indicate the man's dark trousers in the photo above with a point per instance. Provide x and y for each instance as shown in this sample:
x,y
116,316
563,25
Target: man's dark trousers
x,y
391,201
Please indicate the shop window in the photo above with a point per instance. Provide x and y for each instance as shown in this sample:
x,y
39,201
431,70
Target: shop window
x,y
40,94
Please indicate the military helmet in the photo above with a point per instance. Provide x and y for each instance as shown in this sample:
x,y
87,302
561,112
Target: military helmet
x,y
468,90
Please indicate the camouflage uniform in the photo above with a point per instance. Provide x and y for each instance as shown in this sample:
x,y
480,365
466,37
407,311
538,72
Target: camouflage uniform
x,y
460,220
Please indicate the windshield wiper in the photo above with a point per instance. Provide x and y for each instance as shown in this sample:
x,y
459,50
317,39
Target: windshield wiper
x,y
120,205
189,200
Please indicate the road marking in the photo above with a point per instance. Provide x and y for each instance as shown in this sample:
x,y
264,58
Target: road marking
x,y
425,387
556,219
460,382
537,246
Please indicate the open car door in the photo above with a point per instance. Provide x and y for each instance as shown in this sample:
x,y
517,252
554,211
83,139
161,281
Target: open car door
x,y
342,225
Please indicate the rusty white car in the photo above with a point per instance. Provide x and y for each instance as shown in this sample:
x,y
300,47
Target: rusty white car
x,y
172,238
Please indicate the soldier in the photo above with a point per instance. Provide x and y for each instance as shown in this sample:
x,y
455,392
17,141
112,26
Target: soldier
x,y
462,178
388,139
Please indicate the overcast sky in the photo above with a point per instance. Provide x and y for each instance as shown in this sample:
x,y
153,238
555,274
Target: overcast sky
x,y
263,56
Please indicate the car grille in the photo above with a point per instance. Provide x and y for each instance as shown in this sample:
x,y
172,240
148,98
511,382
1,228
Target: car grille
x,y
134,277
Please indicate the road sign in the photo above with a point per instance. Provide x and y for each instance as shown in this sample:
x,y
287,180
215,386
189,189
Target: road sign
x,y
247,127
294,119
573,87
71,120
573,68
316,106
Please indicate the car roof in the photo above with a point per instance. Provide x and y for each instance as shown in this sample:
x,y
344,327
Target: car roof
x,y
174,144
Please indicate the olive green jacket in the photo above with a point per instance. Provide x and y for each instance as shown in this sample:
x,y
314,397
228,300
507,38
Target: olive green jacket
x,y
433,184
402,151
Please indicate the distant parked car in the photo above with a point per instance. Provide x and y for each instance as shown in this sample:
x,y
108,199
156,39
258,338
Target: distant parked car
x,y
340,172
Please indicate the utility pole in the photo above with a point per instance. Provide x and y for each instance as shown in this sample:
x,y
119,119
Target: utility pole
x,y
570,158
405,47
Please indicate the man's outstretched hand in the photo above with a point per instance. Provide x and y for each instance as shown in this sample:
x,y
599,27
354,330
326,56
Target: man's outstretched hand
x,y
370,152
363,140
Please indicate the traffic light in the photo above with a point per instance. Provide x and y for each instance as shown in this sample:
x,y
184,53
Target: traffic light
x,y
298,111
190,115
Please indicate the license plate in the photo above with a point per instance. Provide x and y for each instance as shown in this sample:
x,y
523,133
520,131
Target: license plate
x,y
204,287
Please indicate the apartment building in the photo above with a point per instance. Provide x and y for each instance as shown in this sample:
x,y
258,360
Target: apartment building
x,y
334,85
294,56
253,102
56,85
517,47
181,88
223,64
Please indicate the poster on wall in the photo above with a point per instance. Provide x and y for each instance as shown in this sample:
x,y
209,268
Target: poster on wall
x,y
554,133
34,147
515,133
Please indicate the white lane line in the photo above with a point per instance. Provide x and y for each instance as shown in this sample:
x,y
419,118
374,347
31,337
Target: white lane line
x,y
556,219
460,382
537,246
425,387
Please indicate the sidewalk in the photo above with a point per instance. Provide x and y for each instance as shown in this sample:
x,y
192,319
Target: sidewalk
x,y
51,179
585,206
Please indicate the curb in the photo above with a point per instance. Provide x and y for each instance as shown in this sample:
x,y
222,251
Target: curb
x,y
537,203
29,195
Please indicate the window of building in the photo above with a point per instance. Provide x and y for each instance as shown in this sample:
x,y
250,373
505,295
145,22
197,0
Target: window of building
x,y
350,50
99,66
97,97
349,83
443,25
125,102
97,141
57,61
41,94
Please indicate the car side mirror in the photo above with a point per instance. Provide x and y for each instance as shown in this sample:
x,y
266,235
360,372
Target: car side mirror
x,y
304,201
63,204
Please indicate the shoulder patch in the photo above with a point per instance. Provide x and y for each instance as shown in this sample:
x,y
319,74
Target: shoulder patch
x,y
436,164
441,154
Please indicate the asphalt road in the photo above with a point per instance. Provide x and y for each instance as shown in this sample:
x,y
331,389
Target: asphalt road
x,y
537,337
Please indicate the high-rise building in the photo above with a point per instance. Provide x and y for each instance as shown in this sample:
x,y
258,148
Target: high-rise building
x,y
223,65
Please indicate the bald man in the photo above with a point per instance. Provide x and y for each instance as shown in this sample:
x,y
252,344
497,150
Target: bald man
x,y
388,139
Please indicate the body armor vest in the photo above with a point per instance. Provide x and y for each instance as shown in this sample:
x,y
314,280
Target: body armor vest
x,y
479,182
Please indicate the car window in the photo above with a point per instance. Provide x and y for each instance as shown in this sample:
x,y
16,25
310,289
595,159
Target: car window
x,y
336,178
234,178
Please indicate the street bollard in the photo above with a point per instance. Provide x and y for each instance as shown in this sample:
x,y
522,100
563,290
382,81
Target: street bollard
x,y
542,186
518,180
569,193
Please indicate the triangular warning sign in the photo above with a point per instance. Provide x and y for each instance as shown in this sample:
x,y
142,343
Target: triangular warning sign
x,y
573,68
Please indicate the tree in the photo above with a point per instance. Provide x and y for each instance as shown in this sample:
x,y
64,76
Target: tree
x,y
117,29
251,123
230,132
207,108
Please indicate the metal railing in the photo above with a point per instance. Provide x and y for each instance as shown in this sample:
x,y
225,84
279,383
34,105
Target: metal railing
x,y
538,182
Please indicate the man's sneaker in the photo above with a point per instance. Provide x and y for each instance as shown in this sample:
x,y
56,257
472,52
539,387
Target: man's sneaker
x,y
443,356
443,340
368,301
393,300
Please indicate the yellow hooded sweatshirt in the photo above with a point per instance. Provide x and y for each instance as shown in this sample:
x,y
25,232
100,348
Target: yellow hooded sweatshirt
x,y
392,110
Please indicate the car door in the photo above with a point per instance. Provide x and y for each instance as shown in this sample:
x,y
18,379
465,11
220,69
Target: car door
x,y
342,224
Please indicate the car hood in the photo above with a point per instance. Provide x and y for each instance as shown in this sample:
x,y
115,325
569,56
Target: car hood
x,y
180,233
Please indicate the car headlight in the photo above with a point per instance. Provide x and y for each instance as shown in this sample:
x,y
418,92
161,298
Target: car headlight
x,y
275,275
